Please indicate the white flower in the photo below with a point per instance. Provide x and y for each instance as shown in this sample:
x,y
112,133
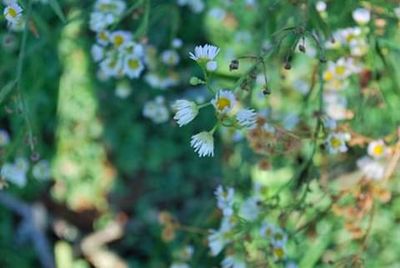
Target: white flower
x,y
267,229
16,172
176,43
103,38
170,57
133,66
115,7
123,90
361,16
160,82
249,210
112,66
13,12
41,170
203,143
247,118
320,6
377,149
336,142
205,55
119,38
218,239
233,261
225,200
397,12
4,138
97,52
278,237
224,101
371,168
186,111
156,110
100,21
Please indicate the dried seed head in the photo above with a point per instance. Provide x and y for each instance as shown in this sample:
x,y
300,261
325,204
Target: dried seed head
x,y
234,65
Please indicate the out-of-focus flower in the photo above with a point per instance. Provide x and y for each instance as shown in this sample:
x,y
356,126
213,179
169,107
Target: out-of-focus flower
x,y
371,168
362,16
233,261
249,210
170,57
225,200
41,170
156,110
217,240
4,138
203,143
16,172
336,142
377,149
13,12
320,6
123,90
179,265
133,66
247,118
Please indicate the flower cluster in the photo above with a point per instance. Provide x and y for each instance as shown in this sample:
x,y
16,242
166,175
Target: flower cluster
x,y
116,52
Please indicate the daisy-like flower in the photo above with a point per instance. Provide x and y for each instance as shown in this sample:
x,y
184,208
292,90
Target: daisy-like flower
x,y
111,66
267,229
362,16
377,149
205,56
179,265
203,143
186,111
133,66
371,168
103,38
278,238
13,12
119,38
225,200
247,118
100,21
170,57
123,90
279,253
156,110
336,142
224,101
116,7
320,6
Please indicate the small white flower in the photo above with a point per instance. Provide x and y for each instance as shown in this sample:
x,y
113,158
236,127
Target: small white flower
x,y
267,229
225,200
377,149
397,12
112,66
133,66
176,43
156,110
336,142
233,261
115,7
205,55
249,210
16,172
224,101
119,38
170,57
4,138
97,52
123,90
247,118
103,38
217,240
179,265
371,168
362,16
203,143
186,111
320,6
41,170
13,12
100,21
278,237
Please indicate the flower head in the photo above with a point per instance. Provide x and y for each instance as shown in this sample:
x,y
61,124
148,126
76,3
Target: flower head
x,y
371,168
377,149
186,111
205,56
225,200
133,66
224,101
336,142
13,12
247,118
361,15
203,143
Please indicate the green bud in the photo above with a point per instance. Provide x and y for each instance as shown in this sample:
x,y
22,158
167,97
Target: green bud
x,y
195,81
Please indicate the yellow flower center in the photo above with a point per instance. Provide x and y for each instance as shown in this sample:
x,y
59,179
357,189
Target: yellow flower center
x,y
222,103
133,64
279,253
340,70
335,143
103,36
12,12
328,76
378,150
118,40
